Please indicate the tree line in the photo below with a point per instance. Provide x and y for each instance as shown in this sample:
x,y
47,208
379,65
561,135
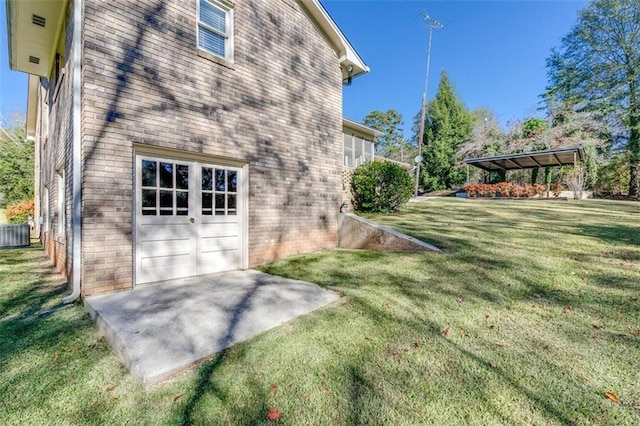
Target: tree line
x,y
591,100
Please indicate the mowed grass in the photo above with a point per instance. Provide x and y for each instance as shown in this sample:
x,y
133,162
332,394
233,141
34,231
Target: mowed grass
x,y
529,316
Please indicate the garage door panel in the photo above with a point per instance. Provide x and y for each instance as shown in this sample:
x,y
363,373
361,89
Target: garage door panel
x,y
165,232
219,243
176,247
219,261
162,268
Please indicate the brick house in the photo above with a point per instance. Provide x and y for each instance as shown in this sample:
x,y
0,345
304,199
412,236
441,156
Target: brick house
x,y
181,137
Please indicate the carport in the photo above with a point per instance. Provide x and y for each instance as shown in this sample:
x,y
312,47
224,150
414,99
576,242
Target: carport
x,y
528,160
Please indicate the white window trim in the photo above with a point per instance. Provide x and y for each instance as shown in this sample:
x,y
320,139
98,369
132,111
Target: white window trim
x,y
61,201
45,219
227,8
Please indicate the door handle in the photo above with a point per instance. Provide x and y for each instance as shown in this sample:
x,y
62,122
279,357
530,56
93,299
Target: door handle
x,y
192,220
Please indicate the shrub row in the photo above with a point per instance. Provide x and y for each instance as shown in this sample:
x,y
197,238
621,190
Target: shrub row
x,y
506,189
19,213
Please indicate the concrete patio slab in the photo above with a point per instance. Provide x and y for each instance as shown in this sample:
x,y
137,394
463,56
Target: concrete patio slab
x,y
162,328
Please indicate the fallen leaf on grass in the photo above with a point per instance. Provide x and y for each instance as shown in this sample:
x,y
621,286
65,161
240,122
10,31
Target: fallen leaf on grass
x,y
274,414
487,316
273,386
55,356
460,300
633,299
493,365
445,332
114,398
597,327
416,345
465,334
611,396
178,396
491,327
385,306
568,310
110,388
324,389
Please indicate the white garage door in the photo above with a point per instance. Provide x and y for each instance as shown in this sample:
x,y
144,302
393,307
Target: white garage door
x,y
189,218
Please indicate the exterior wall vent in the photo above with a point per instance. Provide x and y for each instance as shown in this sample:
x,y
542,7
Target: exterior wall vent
x,y
34,60
39,20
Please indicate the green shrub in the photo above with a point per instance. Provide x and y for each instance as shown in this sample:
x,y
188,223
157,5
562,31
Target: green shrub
x,y
19,213
380,186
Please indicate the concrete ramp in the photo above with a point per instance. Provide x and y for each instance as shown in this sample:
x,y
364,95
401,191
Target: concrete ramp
x,y
356,232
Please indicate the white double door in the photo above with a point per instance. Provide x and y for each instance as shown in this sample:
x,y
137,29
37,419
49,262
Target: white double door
x,y
189,218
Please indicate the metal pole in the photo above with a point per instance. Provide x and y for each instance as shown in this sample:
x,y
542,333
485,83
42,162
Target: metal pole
x,y
423,112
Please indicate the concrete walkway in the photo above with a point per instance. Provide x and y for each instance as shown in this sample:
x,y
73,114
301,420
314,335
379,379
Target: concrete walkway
x,y
162,328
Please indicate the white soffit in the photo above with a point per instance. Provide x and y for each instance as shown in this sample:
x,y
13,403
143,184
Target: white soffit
x,y
33,28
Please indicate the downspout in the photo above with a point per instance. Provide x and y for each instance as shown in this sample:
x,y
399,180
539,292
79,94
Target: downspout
x,y
77,163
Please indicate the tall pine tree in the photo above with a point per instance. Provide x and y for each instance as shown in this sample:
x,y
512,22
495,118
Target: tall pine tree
x,y
448,125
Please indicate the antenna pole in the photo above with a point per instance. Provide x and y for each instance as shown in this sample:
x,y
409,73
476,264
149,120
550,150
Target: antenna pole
x,y
433,24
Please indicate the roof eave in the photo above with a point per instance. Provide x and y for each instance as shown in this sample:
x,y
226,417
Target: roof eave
x,y
354,125
351,63
28,42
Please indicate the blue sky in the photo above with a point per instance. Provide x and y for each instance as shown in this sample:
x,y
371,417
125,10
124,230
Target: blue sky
x,y
493,51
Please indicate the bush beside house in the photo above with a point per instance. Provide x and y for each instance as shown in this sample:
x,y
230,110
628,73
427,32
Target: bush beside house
x,y
19,213
380,186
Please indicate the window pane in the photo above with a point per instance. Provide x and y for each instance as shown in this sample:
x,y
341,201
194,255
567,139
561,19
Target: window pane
x,y
182,176
207,201
232,180
207,178
213,16
219,207
148,173
358,154
182,200
148,198
166,199
149,212
166,212
348,150
182,212
166,175
220,183
211,41
231,201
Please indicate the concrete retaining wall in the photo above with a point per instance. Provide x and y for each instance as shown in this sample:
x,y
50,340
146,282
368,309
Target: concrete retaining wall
x,y
358,233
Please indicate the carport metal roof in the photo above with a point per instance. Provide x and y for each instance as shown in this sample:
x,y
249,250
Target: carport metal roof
x,y
529,160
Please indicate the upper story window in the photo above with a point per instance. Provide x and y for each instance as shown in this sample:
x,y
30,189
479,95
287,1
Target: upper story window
x,y
215,28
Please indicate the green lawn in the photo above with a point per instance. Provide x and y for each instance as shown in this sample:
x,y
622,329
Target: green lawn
x,y
529,316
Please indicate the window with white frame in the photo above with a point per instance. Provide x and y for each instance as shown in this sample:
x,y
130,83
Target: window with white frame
x,y
61,201
215,28
356,151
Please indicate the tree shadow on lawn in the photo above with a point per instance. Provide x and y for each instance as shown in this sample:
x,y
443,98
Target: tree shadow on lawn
x,y
612,234
364,389
44,350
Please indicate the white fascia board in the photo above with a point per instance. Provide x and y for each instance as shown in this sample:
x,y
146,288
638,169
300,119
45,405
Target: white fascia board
x,y
32,105
347,55
353,125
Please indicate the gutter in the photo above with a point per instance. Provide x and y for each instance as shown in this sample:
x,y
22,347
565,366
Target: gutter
x,y
77,163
